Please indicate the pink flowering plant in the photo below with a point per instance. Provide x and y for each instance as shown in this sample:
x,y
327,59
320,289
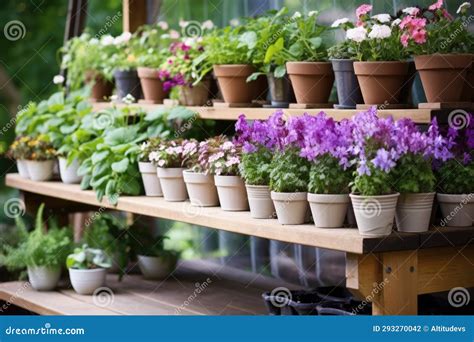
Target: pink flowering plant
x,y
148,147
170,154
224,159
197,154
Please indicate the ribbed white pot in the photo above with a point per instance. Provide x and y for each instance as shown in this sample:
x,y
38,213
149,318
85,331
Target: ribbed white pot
x,y
457,210
68,173
85,282
151,183
260,201
414,212
291,207
40,170
172,184
155,267
374,214
328,211
22,169
201,189
43,278
232,193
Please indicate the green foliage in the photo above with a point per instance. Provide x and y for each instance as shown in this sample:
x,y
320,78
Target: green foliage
x,y
86,258
342,50
413,174
326,176
289,172
255,167
455,178
377,183
155,246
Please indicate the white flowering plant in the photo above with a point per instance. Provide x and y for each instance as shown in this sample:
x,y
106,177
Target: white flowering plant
x,y
170,154
225,158
151,45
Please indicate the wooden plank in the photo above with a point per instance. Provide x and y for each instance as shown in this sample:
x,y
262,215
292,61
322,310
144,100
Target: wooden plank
x,y
134,14
343,239
446,236
362,272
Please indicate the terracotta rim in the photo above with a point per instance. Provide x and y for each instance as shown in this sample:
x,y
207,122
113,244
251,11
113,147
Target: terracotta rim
x,y
309,68
443,61
381,68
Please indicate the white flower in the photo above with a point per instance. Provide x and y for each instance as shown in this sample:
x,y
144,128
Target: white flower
x,y
129,99
296,15
114,97
411,10
357,34
313,13
464,6
161,163
174,34
380,32
58,79
163,25
94,41
340,22
234,22
123,38
107,40
208,25
190,41
396,22
227,145
183,23
382,18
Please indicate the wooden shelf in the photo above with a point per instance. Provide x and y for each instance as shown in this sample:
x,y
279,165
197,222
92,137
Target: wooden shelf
x,y
421,116
342,239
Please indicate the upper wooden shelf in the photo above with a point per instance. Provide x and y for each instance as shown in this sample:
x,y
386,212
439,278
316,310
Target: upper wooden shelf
x,y
342,239
421,116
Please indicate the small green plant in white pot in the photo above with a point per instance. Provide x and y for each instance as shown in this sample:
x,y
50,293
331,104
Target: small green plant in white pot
x,y
87,269
151,183
154,261
41,158
20,151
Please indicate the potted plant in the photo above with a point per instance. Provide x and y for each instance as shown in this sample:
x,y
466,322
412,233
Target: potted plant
x,y
441,45
169,158
154,261
373,197
147,169
41,252
41,158
327,147
20,151
70,157
199,181
224,163
87,269
258,145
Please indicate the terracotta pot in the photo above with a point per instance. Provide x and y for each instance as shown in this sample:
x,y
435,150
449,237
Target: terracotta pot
x,y
201,189
22,167
260,201
127,82
443,75
85,282
68,173
40,170
43,278
153,267
101,88
381,82
348,89
151,85
196,95
374,214
312,81
172,184
232,194
232,82
457,210
329,211
291,207
414,212
151,183
468,91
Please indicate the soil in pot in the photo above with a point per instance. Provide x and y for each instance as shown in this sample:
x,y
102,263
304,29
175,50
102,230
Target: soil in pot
x,y
348,89
374,214
68,173
22,167
127,82
101,88
44,278
414,212
328,211
40,170
232,193
151,85
381,82
290,207
85,282
443,75
457,210
153,267
151,183
197,95
172,184
281,91
233,83
201,189
312,81
260,202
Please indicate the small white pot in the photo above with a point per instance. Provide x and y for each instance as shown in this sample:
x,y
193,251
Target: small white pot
x,y
232,194
260,201
151,183
374,214
40,170
69,172
414,212
44,278
172,184
329,211
155,267
457,210
22,169
291,207
85,282
201,189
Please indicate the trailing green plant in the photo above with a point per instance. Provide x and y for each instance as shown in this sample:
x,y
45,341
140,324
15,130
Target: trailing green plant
x,y
289,171
327,176
414,174
255,167
455,177
86,258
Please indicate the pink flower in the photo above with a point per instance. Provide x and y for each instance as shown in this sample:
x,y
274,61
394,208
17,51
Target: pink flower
x,y
404,39
446,14
419,36
363,10
437,5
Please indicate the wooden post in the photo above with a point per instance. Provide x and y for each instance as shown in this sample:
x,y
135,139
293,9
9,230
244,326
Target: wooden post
x,y
134,14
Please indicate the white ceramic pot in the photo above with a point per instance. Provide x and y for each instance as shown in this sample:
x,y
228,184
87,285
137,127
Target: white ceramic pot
x,y
291,207
69,172
85,282
414,212
374,214
172,184
40,170
232,194
156,267
260,201
44,278
151,183
328,211
457,210
22,169
201,189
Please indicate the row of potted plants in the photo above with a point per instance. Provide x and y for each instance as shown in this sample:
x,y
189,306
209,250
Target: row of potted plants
x,y
372,65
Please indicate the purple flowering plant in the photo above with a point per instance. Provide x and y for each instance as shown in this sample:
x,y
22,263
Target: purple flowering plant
x,y
169,154
224,158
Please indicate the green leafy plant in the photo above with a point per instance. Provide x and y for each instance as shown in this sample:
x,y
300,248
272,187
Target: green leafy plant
x,y
377,183
453,177
326,176
155,246
289,172
414,174
86,258
126,56
342,50
150,43
255,167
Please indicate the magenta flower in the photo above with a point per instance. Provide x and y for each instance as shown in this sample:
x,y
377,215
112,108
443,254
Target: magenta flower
x,y
437,5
